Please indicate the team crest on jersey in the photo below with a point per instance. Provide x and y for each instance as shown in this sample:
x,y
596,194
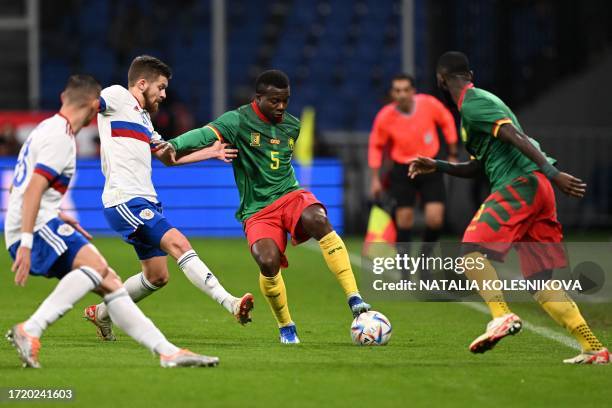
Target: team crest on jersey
x,y
146,214
65,230
291,143
255,139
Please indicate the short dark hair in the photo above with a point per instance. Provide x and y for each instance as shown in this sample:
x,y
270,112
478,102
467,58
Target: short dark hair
x,y
272,77
454,62
404,77
147,67
81,88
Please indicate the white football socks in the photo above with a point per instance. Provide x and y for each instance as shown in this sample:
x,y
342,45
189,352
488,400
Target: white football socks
x,y
199,274
70,289
129,318
138,288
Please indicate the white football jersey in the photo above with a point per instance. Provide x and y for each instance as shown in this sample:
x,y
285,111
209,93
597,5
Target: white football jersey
x,y
50,151
125,135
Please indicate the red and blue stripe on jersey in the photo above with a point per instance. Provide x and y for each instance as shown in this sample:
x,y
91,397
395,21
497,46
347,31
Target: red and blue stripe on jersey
x,y
58,182
130,129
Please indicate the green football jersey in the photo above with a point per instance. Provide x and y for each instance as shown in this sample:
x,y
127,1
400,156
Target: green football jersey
x,y
482,115
262,170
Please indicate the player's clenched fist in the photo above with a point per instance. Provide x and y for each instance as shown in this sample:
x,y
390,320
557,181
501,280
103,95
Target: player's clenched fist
x,y
421,165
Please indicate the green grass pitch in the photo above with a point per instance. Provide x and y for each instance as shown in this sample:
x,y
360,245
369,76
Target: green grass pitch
x,y
426,363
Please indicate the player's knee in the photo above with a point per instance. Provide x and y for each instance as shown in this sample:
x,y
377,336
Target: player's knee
x,y
315,217
269,263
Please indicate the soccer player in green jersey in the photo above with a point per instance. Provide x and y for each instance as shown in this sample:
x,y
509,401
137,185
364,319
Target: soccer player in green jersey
x,y
521,207
272,203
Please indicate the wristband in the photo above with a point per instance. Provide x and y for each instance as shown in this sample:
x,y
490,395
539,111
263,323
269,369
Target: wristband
x,y
549,170
27,238
443,166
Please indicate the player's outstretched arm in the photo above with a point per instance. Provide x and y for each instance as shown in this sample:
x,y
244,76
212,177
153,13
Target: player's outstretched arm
x,y
218,150
194,139
31,204
425,165
567,183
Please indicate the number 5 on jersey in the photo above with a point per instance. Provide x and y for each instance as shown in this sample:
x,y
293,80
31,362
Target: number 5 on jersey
x,y
275,160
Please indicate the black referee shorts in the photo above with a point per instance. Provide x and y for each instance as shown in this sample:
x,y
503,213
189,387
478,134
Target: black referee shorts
x,y
403,189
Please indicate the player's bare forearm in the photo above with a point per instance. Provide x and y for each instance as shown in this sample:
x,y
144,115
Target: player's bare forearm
x,y
567,183
427,165
195,156
217,150
468,169
31,202
509,134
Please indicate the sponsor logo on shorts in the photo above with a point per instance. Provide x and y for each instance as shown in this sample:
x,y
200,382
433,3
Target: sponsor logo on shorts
x,y
146,214
65,230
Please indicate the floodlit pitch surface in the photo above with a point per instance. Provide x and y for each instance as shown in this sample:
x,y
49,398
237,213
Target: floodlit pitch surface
x,y
427,361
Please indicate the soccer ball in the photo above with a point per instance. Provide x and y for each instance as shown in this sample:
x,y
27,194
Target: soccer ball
x,y
371,329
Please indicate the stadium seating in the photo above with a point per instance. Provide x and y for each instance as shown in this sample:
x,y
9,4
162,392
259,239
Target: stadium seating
x,y
340,54
298,37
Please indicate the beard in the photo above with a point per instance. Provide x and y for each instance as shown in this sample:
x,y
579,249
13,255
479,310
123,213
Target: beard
x,y
151,104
